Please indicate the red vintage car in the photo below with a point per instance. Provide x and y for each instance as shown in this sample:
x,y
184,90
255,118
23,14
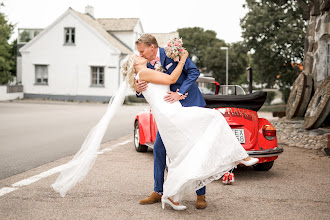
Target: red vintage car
x,y
257,135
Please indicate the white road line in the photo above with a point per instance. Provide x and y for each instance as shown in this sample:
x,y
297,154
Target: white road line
x,y
104,150
122,143
50,172
35,178
114,146
6,190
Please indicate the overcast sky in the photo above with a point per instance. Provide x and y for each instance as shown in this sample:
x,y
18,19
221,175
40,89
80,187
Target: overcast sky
x,y
222,16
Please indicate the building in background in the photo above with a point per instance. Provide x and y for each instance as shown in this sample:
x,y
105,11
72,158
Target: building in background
x,y
77,57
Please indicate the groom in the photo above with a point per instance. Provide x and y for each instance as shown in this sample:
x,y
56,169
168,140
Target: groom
x,y
148,48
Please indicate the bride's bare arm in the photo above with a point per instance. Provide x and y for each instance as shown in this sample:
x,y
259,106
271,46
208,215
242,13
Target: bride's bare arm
x,y
157,77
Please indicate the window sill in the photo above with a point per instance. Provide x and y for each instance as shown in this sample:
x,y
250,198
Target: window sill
x,y
97,86
40,84
67,44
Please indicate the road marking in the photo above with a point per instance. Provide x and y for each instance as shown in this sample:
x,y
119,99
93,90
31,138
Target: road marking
x,y
6,190
113,147
104,150
35,178
30,180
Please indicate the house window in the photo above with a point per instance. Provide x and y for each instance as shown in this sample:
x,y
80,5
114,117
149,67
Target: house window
x,y
97,76
69,36
41,73
328,60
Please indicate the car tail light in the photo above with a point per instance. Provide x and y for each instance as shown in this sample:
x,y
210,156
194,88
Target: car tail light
x,y
269,132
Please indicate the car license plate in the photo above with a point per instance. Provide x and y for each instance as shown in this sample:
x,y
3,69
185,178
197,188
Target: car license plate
x,y
239,133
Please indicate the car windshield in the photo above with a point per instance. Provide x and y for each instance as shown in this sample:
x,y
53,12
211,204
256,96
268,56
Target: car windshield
x,y
207,86
231,90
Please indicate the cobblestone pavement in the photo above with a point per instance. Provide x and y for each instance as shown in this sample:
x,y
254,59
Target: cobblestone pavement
x,y
292,133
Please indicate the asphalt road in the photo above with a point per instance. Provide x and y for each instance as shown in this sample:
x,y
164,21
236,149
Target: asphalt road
x,y
33,133
297,187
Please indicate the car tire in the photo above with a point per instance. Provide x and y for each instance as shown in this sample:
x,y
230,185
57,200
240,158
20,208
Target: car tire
x,y
138,147
263,166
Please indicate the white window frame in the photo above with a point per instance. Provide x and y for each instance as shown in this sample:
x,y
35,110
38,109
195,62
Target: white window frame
x,y
71,34
98,76
43,70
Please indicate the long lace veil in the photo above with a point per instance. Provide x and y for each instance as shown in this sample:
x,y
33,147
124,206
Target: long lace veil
x,y
76,169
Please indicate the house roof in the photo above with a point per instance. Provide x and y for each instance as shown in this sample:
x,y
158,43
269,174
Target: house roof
x,y
163,38
101,30
92,23
118,24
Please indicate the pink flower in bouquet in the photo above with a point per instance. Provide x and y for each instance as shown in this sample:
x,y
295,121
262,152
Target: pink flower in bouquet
x,y
174,49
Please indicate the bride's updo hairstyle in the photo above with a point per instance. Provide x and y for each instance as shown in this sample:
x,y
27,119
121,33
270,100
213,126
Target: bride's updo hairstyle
x,y
128,70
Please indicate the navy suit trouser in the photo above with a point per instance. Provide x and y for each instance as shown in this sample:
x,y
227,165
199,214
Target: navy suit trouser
x,y
160,164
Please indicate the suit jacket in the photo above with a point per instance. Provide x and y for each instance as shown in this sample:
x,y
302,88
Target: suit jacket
x,y
186,82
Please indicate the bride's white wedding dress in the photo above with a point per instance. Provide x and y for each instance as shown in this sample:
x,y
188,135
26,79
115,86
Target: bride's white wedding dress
x,y
199,143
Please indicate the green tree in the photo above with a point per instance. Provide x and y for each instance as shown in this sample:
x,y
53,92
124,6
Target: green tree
x,y
13,52
274,32
24,36
238,62
6,59
204,48
196,41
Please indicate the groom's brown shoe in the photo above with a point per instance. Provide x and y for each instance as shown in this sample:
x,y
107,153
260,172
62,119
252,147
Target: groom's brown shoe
x,y
201,202
153,198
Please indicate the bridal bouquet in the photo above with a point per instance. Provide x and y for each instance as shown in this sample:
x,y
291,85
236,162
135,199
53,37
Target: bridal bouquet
x,y
174,48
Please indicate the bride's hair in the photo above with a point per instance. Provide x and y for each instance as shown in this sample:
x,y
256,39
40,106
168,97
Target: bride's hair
x,y
128,70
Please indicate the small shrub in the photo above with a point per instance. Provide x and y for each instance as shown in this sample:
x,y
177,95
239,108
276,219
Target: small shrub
x,y
270,97
285,94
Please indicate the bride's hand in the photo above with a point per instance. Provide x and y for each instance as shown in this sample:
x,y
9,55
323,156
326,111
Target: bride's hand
x,y
184,55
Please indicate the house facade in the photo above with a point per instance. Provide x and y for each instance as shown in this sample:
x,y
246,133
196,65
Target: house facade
x,y
77,57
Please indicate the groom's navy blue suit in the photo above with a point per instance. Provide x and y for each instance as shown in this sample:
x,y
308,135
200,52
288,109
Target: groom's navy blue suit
x,y
185,83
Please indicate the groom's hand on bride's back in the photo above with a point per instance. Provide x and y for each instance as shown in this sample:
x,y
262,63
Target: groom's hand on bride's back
x,y
172,97
141,86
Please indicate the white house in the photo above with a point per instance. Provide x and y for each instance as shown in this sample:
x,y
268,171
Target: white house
x,y
77,57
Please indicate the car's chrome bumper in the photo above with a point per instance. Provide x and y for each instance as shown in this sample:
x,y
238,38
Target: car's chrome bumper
x,y
266,153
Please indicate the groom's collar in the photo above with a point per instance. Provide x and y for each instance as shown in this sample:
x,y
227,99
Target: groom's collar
x,y
158,54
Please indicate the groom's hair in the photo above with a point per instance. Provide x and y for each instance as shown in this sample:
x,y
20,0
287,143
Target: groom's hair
x,y
147,39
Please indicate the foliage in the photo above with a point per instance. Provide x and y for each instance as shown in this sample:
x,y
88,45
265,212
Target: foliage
x,y
13,52
285,94
204,48
196,41
24,36
238,61
274,32
6,59
273,108
270,97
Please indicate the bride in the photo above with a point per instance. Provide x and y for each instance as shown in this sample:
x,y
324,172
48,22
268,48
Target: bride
x,y
199,143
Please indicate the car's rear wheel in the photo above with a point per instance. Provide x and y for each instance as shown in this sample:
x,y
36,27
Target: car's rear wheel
x,y
263,166
138,147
